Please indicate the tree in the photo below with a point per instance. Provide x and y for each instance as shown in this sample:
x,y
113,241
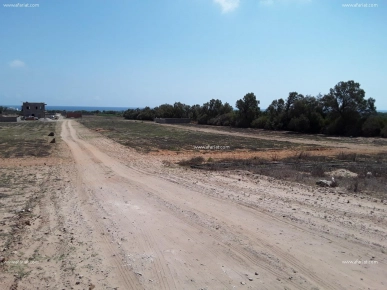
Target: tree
x,y
248,110
181,110
194,112
347,98
164,111
226,108
276,116
293,97
347,108
132,114
212,111
146,114
311,109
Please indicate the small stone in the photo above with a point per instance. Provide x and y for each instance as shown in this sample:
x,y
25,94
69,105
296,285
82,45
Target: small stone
x,y
324,183
2,259
91,286
77,283
256,273
250,279
243,283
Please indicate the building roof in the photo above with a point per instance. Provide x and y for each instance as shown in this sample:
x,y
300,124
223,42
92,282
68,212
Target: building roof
x,y
42,103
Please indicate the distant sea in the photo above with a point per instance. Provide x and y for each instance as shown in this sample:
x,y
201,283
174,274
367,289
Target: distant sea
x,y
78,108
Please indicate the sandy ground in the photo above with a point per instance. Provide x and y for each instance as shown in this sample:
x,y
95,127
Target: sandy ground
x,y
112,218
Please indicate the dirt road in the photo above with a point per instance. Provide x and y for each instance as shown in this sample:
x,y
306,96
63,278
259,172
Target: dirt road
x,y
99,215
169,228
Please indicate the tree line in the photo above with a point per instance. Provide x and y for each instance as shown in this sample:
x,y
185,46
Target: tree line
x,y
343,111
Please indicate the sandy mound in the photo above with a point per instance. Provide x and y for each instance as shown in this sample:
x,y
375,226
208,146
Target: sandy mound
x,y
341,173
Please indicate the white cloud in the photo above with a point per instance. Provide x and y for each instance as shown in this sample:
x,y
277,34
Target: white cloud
x,y
227,5
17,63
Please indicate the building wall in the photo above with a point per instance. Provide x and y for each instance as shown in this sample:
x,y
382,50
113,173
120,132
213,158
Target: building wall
x,y
74,115
34,109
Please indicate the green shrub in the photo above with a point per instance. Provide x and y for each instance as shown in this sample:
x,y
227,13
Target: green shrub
x,y
383,132
372,126
260,122
299,124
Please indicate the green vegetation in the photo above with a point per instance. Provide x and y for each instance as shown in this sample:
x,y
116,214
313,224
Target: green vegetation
x,y
146,136
344,111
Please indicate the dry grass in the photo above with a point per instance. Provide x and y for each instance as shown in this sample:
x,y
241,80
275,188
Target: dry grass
x,y
192,161
371,170
146,136
23,139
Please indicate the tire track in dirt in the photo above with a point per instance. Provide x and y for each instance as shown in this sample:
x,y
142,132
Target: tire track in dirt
x,y
242,252
127,276
121,171
190,207
246,252
164,275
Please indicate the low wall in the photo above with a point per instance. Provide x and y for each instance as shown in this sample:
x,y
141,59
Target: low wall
x,y
74,115
173,120
8,119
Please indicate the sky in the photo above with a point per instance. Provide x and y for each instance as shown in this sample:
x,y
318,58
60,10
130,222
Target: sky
x,y
139,53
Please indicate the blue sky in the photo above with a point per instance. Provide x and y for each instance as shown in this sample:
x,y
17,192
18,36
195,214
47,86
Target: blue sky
x,y
146,53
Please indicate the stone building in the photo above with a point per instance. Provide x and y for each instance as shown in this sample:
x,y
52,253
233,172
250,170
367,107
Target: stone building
x,y
33,109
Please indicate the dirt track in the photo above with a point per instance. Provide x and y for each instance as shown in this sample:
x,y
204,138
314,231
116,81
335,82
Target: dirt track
x,y
154,227
332,144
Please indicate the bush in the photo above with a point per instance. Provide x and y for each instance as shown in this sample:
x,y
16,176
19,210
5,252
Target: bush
x,y
383,132
299,124
131,114
203,119
192,161
372,126
222,120
260,122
